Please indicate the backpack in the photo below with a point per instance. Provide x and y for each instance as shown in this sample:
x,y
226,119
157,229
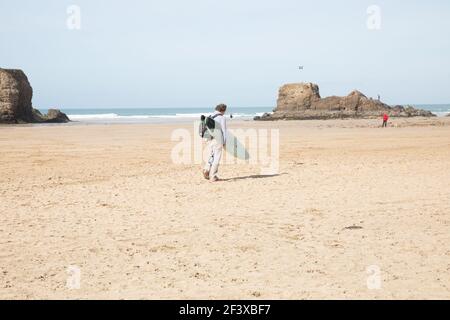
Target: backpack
x,y
207,124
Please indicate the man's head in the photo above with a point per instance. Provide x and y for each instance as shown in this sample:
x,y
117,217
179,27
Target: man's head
x,y
222,108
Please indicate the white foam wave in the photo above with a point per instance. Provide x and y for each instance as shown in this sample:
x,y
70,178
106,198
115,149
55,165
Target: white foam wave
x,y
92,116
441,113
115,116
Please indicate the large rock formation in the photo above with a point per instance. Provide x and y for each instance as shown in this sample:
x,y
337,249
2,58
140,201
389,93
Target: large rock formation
x,y
15,97
15,101
302,101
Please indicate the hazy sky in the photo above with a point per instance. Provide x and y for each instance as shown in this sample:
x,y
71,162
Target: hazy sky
x,y
174,53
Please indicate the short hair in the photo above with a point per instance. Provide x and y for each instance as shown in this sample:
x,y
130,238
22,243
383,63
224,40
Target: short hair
x,y
221,107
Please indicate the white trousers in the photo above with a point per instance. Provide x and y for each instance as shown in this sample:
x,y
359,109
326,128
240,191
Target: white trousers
x,y
215,149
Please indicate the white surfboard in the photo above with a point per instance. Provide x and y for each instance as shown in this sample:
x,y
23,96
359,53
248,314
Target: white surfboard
x,y
235,148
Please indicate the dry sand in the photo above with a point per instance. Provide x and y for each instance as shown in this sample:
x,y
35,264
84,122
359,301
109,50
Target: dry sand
x,y
108,199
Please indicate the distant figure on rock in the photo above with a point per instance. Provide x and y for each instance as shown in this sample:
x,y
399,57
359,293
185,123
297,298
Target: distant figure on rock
x,y
385,120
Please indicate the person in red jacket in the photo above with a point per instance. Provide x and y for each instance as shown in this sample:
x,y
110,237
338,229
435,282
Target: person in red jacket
x,y
385,120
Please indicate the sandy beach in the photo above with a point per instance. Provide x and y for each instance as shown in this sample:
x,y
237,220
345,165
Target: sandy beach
x,y
350,198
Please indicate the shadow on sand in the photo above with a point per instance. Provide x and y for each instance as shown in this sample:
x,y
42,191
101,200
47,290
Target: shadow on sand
x,y
257,176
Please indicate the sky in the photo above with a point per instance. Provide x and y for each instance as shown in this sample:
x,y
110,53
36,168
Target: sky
x,y
198,53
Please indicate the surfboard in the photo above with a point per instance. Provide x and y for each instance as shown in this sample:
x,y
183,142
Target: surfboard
x,y
235,148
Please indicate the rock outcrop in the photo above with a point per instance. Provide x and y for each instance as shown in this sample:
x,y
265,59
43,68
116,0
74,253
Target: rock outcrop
x,y
52,116
15,101
302,101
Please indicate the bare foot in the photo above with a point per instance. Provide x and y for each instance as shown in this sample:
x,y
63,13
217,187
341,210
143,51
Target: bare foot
x,y
206,174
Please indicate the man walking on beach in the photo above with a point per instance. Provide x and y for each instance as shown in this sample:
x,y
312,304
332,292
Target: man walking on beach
x,y
216,144
385,120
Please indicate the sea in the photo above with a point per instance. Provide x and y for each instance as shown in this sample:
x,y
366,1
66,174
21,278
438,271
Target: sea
x,y
154,115
170,115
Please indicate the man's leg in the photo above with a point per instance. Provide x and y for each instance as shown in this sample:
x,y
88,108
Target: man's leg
x,y
217,156
210,160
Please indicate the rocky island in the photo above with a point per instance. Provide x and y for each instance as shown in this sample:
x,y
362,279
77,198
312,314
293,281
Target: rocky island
x,y
302,101
15,101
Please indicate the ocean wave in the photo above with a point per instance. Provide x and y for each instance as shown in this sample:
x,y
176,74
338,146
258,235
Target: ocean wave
x,y
115,116
441,113
92,116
